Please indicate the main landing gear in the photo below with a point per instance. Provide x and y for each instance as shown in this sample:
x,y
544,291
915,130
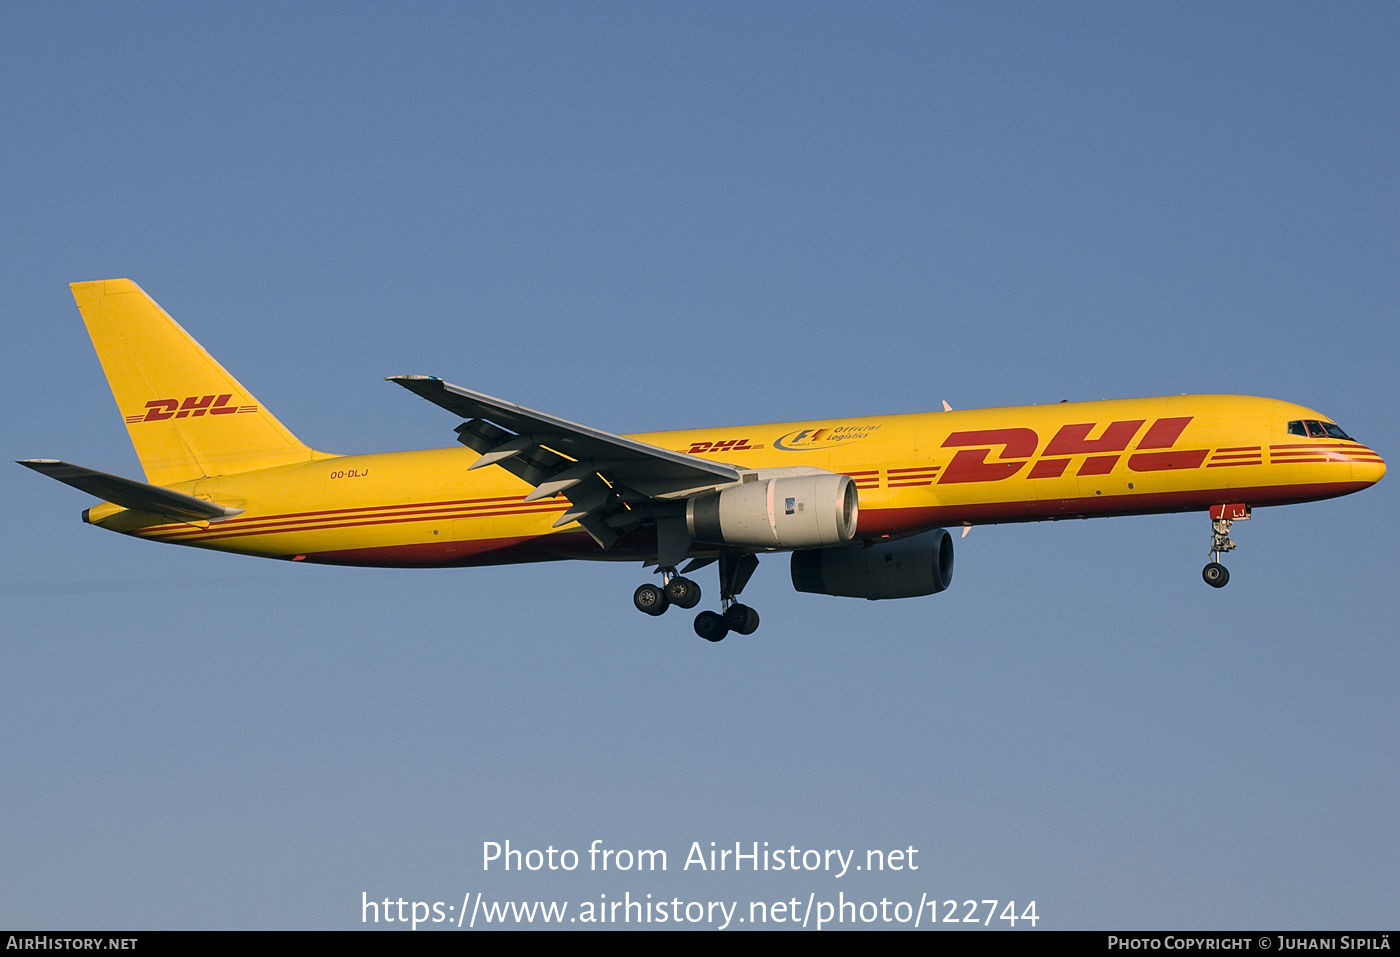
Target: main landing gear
x,y
1215,574
734,574
673,590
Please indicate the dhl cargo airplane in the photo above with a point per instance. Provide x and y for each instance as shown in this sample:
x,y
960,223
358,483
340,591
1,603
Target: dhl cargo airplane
x,y
862,504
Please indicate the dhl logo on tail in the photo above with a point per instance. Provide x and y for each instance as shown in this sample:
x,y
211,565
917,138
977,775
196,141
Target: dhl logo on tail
x,y
194,406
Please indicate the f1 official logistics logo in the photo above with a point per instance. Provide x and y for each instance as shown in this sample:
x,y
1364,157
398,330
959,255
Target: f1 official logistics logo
x,y
804,439
1101,455
192,405
800,441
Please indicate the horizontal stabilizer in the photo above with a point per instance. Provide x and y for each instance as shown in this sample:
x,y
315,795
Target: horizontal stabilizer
x,y
129,493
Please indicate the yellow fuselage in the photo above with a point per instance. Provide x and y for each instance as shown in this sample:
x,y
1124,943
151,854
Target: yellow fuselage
x,y
913,472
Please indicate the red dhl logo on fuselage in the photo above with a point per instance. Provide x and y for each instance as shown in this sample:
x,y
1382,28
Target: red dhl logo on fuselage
x,y
723,445
192,405
1154,453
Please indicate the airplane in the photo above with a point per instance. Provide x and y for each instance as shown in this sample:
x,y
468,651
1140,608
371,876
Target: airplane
x,y
862,504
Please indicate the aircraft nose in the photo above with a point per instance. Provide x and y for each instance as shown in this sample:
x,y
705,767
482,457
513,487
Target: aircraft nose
x,y
1367,466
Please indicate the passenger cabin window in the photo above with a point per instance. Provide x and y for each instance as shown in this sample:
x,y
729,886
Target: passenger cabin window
x,y
1318,430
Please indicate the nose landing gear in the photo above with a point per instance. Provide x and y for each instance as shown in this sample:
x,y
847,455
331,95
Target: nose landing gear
x,y
1215,574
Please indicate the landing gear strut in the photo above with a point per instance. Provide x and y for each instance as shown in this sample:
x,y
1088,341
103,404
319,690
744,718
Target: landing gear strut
x,y
1215,574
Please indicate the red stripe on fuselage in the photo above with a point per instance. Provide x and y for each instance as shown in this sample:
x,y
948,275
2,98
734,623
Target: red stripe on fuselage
x,y
477,506
218,532
903,521
873,523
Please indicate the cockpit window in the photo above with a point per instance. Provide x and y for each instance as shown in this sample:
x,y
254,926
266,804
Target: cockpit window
x,y
1318,430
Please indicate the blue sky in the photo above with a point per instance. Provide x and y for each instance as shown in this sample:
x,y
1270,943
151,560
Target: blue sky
x,y
654,216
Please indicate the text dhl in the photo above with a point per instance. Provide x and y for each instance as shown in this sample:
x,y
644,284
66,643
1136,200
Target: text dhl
x,y
193,406
971,465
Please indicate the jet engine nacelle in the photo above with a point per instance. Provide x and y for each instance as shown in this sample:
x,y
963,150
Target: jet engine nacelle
x,y
906,568
805,510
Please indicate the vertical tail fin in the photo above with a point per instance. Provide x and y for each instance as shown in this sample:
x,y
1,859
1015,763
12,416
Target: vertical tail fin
x,y
187,417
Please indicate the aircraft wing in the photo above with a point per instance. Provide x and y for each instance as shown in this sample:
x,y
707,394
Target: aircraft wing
x,y
614,484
